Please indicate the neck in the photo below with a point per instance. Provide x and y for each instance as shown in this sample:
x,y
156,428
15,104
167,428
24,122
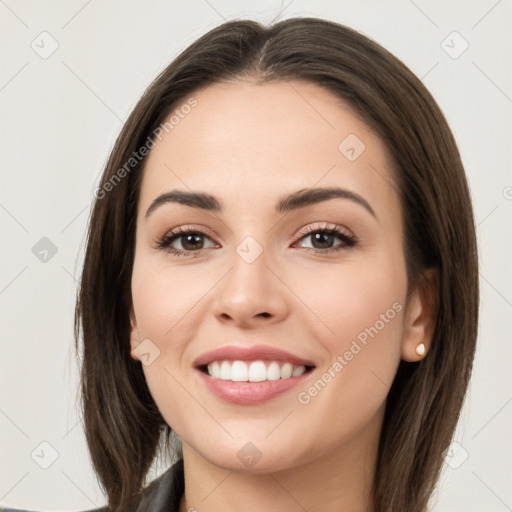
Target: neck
x,y
340,480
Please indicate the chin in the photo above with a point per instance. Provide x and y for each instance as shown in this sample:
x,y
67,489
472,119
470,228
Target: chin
x,y
258,456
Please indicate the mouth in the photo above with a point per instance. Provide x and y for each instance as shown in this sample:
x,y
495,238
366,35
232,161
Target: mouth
x,y
251,375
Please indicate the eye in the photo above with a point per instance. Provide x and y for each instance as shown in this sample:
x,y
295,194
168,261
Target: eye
x,y
316,239
185,242
327,239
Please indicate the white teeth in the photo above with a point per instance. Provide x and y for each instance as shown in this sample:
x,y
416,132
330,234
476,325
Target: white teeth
x,y
225,371
239,372
273,371
298,370
255,371
213,369
286,371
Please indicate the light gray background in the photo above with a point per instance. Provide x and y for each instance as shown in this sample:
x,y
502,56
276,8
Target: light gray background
x,y
59,118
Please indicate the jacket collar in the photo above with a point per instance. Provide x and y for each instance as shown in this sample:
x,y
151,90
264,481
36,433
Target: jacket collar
x,y
164,494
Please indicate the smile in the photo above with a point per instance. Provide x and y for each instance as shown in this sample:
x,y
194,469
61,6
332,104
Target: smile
x,y
255,371
251,375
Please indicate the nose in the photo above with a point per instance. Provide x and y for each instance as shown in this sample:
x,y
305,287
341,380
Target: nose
x,y
251,295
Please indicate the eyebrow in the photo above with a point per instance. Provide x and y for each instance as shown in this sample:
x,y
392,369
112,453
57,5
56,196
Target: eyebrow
x,y
296,200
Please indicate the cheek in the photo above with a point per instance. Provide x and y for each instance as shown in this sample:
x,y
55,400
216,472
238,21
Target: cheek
x,y
166,303
164,298
361,306
350,298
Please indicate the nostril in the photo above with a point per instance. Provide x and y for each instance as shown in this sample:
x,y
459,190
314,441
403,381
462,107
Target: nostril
x,y
266,315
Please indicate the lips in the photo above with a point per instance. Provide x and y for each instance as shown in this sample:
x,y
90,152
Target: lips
x,y
251,375
257,352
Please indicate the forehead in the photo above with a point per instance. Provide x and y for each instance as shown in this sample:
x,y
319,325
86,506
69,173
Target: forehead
x,y
247,141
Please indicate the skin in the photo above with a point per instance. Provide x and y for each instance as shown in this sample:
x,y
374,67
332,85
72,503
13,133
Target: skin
x,y
249,144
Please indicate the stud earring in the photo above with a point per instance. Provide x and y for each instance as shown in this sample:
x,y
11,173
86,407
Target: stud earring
x,y
420,349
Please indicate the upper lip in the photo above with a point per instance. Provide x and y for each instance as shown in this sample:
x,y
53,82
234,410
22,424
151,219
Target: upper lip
x,y
254,353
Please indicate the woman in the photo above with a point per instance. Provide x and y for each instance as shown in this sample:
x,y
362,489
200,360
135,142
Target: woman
x,y
281,269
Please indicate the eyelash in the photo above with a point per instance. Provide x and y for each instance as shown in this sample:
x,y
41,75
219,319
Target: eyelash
x,y
348,240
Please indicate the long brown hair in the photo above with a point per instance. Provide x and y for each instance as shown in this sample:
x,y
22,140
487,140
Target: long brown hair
x,y
122,423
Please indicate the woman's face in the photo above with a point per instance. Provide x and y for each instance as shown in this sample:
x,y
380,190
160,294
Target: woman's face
x,y
273,278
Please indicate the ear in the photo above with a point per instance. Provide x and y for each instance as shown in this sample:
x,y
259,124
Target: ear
x,y
420,316
134,334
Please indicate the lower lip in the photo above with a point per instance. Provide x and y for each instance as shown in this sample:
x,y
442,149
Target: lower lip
x,y
250,393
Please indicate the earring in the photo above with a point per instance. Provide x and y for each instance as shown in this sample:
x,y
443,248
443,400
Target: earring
x,y
420,349
133,355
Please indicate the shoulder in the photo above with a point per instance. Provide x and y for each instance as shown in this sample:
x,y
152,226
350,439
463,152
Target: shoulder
x,y
161,495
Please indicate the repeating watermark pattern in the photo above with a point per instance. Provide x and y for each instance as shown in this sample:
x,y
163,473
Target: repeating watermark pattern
x,y
342,360
44,455
137,156
249,249
147,352
454,45
45,45
249,455
351,147
455,455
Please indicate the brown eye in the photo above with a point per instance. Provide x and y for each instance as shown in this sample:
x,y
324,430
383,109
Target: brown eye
x,y
185,242
324,240
192,242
